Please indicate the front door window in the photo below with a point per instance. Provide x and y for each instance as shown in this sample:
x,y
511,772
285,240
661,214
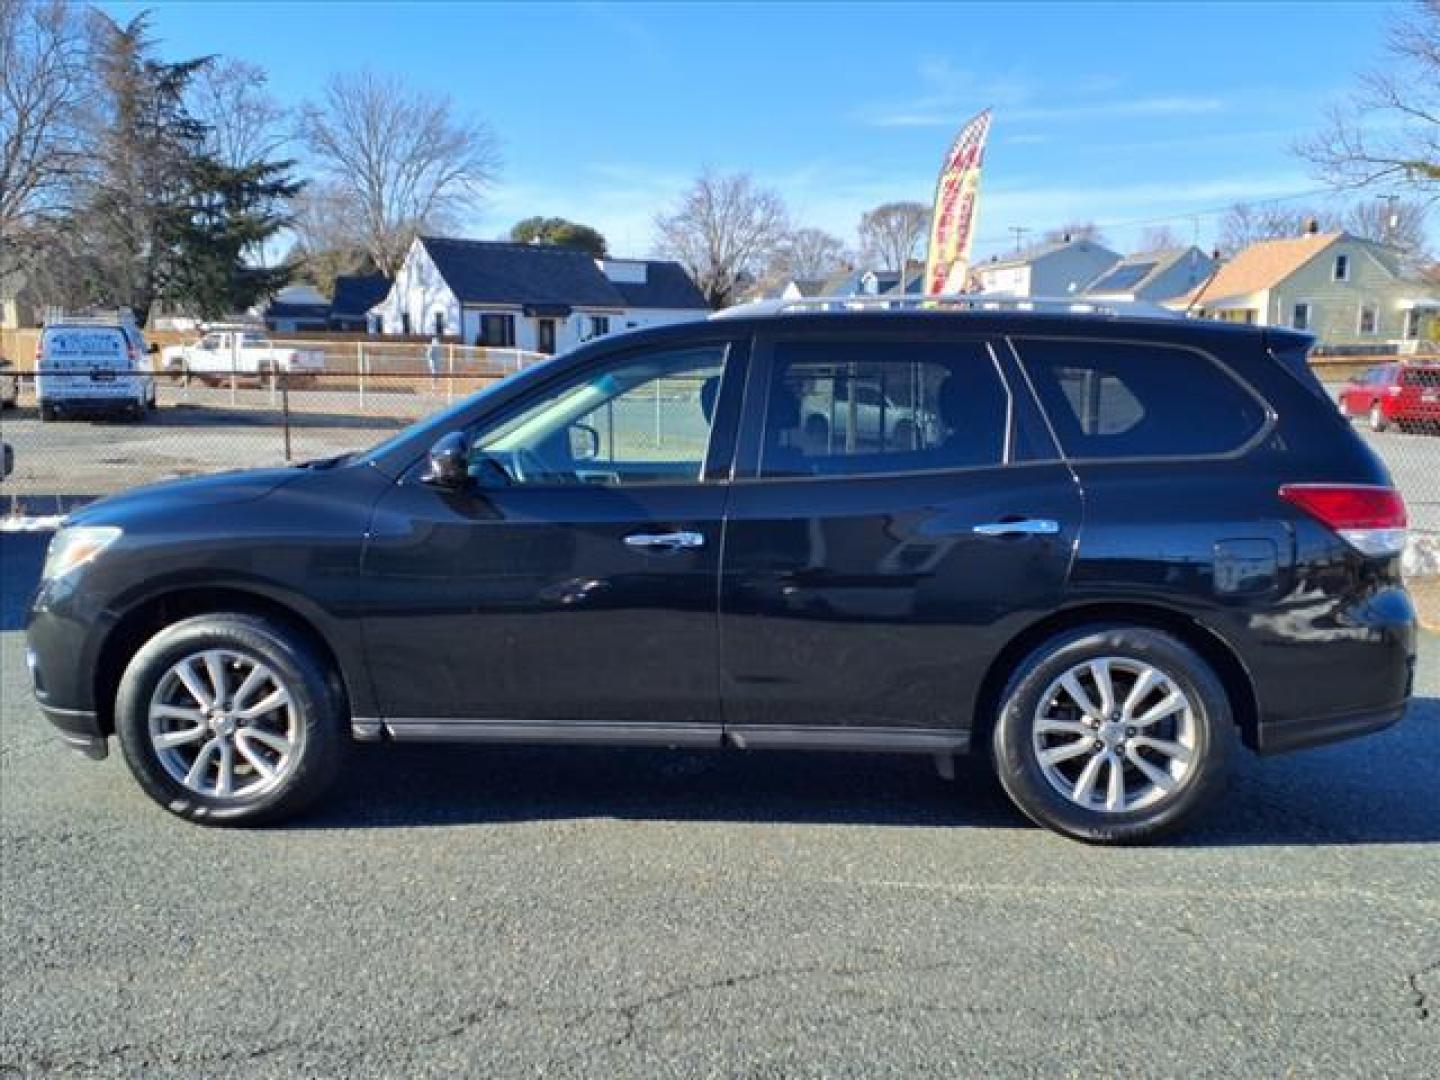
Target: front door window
x,y
645,420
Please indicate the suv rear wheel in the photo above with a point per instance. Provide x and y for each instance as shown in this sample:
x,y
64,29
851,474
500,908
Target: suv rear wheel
x,y
1113,734
229,719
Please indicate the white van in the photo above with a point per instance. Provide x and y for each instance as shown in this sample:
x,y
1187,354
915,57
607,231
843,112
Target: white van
x,y
93,364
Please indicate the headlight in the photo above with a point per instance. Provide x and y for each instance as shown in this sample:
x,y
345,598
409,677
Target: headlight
x,y
73,548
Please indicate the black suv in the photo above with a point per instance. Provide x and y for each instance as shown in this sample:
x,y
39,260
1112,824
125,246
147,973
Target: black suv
x,y
1099,550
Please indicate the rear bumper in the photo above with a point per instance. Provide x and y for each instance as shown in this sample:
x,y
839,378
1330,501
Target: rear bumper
x,y
1282,738
91,404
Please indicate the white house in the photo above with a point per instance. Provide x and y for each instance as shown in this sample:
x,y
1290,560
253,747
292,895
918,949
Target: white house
x,y
536,297
1059,269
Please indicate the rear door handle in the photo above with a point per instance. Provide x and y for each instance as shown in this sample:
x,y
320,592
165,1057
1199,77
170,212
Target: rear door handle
x,y
1021,527
671,541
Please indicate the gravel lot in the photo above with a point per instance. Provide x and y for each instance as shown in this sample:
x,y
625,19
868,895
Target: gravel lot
x,y
627,913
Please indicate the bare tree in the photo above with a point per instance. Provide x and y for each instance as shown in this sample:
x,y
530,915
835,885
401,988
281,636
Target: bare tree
x,y
808,253
723,227
1400,223
43,86
1246,223
245,123
1074,230
328,239
1159,238
894,234
1389,132
401,156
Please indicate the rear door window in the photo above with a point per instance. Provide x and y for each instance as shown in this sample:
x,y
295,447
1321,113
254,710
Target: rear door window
x,y
1110,399
66,347
860,408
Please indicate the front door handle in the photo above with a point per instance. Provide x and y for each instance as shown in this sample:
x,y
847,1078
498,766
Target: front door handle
x,y
1019,527
671,541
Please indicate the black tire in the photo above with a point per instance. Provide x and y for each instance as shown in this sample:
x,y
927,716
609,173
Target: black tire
x,y
319,740
1377,418
47,413
1016,761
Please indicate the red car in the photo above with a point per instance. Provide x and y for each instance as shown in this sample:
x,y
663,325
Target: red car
x,y
1406,395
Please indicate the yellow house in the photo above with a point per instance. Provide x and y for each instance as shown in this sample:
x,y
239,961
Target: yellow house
x,y
1345,290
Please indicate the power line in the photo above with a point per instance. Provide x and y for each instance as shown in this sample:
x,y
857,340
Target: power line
x,y
1182,215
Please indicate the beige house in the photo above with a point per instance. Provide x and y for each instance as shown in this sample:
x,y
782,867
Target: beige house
x,y
1345,290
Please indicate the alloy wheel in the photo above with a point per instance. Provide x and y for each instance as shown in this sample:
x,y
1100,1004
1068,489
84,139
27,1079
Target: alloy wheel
x,y
1115,734
224,725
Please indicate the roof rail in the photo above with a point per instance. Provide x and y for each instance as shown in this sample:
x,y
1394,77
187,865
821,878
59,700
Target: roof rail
x,y
1113,309
120,316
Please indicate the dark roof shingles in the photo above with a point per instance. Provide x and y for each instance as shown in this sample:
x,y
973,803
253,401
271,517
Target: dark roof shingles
x,y
481,271
356,294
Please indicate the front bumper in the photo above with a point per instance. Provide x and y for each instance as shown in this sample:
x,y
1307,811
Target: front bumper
x,y
79,730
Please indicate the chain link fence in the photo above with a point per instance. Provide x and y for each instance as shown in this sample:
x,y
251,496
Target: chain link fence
x,y
202,426
362,391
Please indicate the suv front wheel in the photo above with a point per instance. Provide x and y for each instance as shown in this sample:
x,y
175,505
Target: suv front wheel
x,y
1113,734
229,719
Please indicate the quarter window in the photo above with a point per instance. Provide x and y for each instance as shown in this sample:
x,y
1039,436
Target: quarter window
x,y
852,409
645,420
1110,399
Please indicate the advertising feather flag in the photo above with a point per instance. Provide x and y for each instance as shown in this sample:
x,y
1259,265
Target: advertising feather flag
x,y
952,224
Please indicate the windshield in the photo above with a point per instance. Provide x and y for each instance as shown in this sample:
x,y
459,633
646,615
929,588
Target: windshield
x,y
438,423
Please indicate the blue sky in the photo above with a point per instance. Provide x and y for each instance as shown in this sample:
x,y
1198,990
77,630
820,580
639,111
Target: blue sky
x,y
1113,112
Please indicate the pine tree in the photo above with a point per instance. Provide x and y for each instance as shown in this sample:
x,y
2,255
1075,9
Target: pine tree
x,y
162,218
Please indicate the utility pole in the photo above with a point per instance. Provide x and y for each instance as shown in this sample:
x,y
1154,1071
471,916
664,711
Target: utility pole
x,y
1392,219
1019,231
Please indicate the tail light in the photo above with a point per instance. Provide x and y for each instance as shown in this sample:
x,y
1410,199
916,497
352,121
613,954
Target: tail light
x,y
1368,517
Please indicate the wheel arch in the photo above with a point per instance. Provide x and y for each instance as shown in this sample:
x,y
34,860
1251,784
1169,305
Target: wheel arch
x,y
1239,687
148,617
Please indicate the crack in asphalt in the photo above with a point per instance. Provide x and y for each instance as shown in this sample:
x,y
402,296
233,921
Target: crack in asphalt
x,y
630,1015
1419,995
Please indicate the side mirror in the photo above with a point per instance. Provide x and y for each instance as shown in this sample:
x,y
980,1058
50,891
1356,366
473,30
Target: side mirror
x,y
449,462
584,442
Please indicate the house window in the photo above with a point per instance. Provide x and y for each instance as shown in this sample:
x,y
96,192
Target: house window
x,y
405,323
1342,267
1369,316
599,325
439,324
1300,317
497,331
545,332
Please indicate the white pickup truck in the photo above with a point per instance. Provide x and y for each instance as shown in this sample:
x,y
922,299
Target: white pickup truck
x,y
245,354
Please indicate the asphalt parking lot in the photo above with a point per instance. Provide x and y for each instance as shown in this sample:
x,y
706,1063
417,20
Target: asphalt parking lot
x,y
625,913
